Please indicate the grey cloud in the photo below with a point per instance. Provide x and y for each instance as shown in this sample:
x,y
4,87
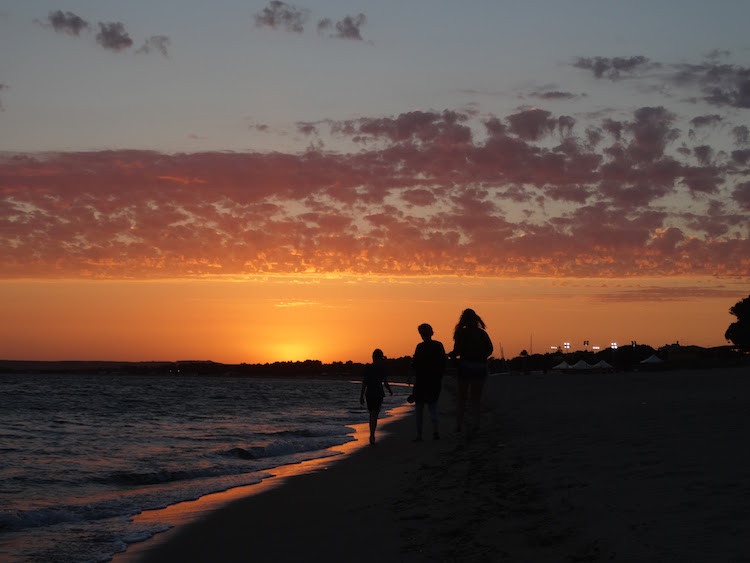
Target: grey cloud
x,y
742,195
716,54
307,128
65,22
612,67
113,36
158,43
280,15
554,95
704,154
531,125
652,132
741,134
705,120
721,85
349,27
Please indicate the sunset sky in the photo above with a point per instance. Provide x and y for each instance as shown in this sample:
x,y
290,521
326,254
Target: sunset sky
x,y
252,181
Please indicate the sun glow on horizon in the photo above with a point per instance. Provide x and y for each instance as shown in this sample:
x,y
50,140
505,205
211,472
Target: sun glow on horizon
x,y
345,318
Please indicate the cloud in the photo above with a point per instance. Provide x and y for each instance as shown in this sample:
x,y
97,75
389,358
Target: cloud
x,y
613,68
721,85
65,22
741,195
280,15
553,95
532,124
158,43
741,134
2,87
426,193
347,28
113,36
706,120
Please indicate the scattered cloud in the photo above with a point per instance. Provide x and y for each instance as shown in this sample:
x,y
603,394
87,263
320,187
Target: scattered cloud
x,y
159,43
619,194
551,95
280,15
65,22
721,85
287,17
706,120
614,68
741,134
741,195
347,28
428,193
113,36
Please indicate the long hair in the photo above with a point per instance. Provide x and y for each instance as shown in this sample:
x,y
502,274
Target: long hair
x,y
468,319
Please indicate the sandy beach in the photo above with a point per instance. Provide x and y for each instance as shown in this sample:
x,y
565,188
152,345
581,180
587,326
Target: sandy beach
x,y
595,467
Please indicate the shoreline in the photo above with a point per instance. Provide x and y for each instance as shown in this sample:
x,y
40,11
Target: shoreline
x,y
585,467
183,514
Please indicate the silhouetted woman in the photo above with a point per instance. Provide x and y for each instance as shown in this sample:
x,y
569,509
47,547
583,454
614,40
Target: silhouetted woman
x,y
472,346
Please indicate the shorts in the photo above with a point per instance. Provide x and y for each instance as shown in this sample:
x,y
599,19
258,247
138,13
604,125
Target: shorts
x,y
472,370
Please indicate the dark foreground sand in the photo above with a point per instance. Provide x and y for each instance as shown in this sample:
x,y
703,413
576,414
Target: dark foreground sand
x,y
626,467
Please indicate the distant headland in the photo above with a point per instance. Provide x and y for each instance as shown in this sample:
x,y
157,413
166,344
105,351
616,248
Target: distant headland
x,y
622,359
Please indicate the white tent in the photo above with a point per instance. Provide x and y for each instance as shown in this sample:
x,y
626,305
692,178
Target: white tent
x,y
652,359
581,364
562,365
602,365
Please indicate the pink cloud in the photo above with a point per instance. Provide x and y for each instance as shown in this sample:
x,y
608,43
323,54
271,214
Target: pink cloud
x,y
433,194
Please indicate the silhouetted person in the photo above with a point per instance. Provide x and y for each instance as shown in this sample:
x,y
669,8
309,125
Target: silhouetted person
x,y
429,365
375,376
472,346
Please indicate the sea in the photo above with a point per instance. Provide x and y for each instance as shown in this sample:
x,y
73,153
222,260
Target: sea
x,y
82,454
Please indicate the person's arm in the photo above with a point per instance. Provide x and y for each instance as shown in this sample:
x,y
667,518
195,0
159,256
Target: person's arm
x,y
488,340
443,359
362,392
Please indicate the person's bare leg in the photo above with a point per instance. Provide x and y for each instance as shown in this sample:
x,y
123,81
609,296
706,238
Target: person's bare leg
x,y
463,387
476,401
373,425
435,421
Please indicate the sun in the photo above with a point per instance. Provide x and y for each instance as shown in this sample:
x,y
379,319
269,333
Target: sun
x,y
291,351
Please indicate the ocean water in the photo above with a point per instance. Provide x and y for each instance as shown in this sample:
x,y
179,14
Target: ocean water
x,y
81,454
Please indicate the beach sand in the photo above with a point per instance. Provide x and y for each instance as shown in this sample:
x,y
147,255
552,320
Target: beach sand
x,y
594,467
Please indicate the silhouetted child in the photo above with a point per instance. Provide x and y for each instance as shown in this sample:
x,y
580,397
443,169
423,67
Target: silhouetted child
x,y
429,365
375,376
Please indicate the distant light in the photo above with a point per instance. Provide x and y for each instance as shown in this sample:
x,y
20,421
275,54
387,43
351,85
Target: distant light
x,y
567,345
553,347
596,348
614,346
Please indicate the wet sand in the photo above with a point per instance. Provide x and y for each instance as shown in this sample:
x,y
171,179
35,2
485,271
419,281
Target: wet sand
x,y
594,467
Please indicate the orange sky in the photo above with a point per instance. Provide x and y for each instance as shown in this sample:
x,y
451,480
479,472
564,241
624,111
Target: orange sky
x,y
265,319
272,193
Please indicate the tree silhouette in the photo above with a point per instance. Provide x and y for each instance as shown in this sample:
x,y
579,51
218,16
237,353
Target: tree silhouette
x,y
739,331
